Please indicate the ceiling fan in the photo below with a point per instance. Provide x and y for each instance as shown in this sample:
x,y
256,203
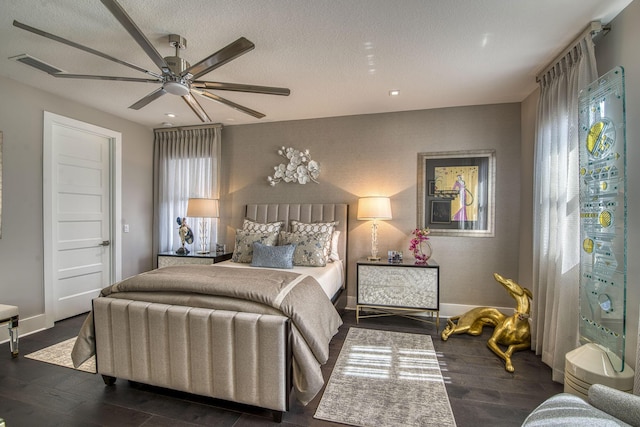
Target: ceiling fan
x,y
176,75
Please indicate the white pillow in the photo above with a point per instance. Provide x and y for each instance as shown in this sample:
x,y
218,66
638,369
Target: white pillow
x,y
334,255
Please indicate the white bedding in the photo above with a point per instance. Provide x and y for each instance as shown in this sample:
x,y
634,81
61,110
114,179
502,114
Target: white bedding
x,y
330,277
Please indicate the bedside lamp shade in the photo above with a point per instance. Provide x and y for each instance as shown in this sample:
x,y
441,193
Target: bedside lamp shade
x,y
374,208
203,208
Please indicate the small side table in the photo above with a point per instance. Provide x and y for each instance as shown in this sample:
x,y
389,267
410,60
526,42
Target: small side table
x,y
398,289
166,259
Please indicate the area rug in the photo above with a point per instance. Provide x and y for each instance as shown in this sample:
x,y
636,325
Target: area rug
x,y
384,378
60,354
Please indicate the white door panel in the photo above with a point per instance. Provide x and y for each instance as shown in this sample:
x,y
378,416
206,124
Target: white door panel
x,y
79,214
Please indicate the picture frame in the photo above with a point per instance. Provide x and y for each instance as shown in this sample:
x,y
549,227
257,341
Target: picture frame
x,y
456,193
441,212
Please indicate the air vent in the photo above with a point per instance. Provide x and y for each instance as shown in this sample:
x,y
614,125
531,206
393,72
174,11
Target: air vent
x,y
36,63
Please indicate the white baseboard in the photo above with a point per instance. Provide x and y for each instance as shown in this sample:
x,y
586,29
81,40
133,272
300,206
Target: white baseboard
x,y
28,326
446,310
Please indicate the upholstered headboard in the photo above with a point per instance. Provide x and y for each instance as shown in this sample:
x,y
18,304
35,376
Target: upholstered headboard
x,y
311,212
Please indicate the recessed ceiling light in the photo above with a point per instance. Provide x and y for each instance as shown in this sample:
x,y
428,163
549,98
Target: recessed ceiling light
x,y
394,92
167,124
170,115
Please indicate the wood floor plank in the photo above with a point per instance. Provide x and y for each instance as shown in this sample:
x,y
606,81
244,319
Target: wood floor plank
x,y
481,391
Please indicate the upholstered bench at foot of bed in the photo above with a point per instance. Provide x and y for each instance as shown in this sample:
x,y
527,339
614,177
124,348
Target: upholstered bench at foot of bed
x,y
228,355
9,314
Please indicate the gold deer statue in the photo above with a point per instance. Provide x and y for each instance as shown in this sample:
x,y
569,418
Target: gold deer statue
x,y
511,331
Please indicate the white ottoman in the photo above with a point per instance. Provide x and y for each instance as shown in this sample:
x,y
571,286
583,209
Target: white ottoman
x,y
9,314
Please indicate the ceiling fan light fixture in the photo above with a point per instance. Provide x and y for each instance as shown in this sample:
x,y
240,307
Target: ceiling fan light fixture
x,y
176,88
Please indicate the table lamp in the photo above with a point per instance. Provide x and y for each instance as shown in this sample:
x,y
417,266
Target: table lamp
x,y
374,208
203,209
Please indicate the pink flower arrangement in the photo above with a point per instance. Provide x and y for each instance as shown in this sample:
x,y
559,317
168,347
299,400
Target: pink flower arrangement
x,y
415,245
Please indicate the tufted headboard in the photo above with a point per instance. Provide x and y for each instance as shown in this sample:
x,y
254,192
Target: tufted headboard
x,y
310,212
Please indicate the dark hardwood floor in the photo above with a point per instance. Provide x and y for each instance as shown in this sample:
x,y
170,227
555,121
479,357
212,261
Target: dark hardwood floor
x,y
33,393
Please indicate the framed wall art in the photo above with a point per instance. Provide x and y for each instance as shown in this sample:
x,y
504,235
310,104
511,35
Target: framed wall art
x,y
456,192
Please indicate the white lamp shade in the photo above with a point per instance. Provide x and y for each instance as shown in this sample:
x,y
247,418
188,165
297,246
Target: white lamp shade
x,y
203,208
374,208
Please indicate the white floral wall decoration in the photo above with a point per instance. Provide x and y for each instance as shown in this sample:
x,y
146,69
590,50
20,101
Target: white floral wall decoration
x,y
300,169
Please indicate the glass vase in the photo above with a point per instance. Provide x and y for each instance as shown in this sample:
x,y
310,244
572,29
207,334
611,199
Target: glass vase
x,y
423,252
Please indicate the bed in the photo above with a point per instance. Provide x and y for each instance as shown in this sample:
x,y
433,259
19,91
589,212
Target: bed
x,y
231,331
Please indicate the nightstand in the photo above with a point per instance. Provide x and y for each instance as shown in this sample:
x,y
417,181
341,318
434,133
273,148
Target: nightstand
x,y
166,259
398,289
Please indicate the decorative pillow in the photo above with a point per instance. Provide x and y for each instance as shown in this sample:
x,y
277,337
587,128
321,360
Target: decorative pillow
x,y
314,228
260,227
310,248
272,256
243,251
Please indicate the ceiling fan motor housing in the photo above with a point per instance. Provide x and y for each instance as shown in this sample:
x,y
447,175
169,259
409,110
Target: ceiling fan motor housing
x,y
176,64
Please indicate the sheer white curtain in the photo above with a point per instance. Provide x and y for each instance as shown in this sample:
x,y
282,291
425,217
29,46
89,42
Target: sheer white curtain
x,y
556,247
186,164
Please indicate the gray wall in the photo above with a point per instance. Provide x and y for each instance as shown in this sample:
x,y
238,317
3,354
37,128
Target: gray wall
x,y
377,155
21,246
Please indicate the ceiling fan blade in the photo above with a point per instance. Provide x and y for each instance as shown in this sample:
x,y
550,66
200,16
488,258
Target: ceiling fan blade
x,y
196,107
147,99
249,111
236,87
221,57
81,47
126,21
94,77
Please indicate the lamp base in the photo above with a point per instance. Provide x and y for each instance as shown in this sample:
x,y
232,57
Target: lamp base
x,y
373,258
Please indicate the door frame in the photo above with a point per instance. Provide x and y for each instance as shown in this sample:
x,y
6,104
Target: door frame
x,y
115,188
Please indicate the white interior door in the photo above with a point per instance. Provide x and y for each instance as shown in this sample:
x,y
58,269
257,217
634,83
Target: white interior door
x,y
78,214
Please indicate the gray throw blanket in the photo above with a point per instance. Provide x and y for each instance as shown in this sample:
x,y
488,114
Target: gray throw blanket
x,y
299,297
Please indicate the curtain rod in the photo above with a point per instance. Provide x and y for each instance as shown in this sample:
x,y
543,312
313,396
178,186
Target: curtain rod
x,y
592,29
179,128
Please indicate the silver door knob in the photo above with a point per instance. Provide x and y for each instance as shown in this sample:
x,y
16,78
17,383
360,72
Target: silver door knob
x,y
105,243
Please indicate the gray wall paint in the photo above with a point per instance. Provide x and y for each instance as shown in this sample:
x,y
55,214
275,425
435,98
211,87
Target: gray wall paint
x,y
529,109
21,246
377,155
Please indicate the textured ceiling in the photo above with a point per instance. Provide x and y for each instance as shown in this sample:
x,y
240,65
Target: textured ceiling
x,y
337,57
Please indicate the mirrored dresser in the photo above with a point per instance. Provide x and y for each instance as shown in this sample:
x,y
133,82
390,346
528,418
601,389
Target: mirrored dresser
x,y
401,289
